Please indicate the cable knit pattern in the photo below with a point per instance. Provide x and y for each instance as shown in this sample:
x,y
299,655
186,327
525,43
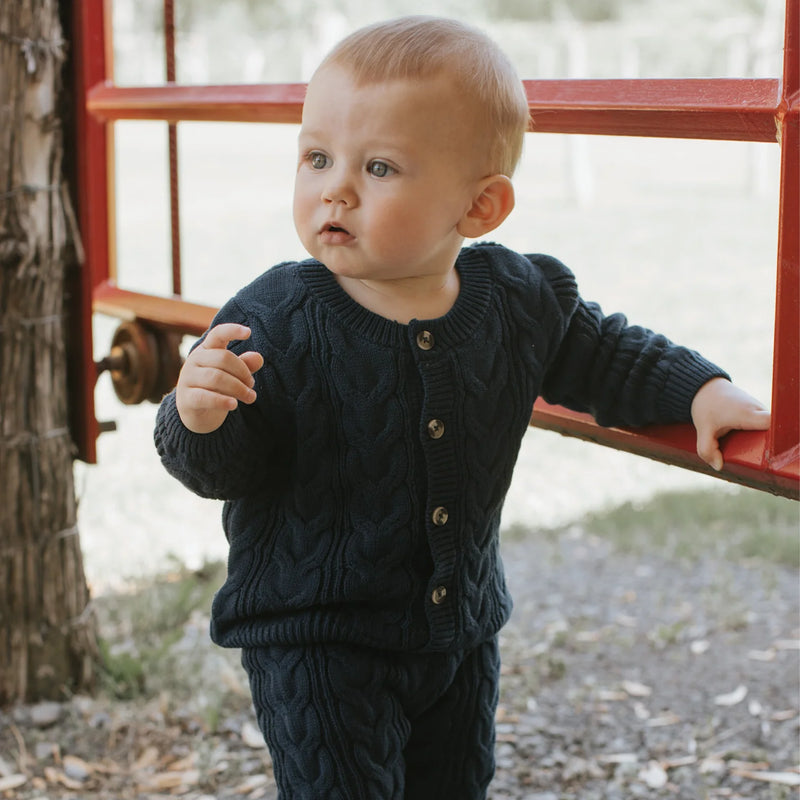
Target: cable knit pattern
x,y
364,487
344,723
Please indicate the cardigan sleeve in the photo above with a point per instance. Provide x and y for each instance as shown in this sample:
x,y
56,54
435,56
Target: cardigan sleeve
x,y
619,373
232,461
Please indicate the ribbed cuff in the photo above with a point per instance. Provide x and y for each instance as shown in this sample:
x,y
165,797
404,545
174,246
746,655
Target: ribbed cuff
x,y
685,378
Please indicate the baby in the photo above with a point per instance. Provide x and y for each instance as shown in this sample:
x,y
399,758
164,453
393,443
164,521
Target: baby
x,y
361,412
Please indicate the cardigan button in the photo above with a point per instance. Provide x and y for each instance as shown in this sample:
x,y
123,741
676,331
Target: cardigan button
x,y
439,595
439,516
436,429
425,340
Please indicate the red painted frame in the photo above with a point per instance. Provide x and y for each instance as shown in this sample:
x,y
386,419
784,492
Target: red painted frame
x,y
761,110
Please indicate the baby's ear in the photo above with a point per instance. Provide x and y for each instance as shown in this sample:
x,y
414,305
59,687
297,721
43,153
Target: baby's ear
x,y
492,203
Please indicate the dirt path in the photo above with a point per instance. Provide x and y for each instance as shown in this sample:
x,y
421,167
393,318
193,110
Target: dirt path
x,y
624,677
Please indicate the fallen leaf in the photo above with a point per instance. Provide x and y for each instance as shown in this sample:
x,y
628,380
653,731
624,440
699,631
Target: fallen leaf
x,y
635,689
12,782
617,758
253,783
147,759
674,763
252,736
76,768
172,780
54,775
752,766
663,721
783,716
783,778
183,764
610,695
731,698
106,769
762,655
712,764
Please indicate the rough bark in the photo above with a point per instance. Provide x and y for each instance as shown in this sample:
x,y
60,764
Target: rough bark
x,y
47,629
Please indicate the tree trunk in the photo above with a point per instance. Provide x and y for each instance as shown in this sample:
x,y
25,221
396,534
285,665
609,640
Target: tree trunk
x,y
47,629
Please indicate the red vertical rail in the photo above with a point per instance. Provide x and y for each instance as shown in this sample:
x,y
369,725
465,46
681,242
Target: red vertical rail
x,y
172,128
91,68
785,432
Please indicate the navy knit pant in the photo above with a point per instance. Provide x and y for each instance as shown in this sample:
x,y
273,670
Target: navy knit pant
x,y
344,723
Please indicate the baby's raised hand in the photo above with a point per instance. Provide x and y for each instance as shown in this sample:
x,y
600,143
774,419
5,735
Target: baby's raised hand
x,y
718,408
214,380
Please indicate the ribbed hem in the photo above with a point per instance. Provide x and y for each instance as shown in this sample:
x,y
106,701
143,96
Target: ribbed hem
x,y
318,625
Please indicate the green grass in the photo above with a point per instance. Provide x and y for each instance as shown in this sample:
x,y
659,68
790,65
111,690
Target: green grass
x,y
139,627
739,525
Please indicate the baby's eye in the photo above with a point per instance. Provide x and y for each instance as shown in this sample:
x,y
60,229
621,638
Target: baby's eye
x,y
318,160
379,169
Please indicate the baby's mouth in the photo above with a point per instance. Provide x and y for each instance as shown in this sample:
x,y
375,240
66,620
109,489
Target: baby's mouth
x,y
335,234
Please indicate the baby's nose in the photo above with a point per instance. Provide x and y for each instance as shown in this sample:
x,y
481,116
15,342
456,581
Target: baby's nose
x,y
339,188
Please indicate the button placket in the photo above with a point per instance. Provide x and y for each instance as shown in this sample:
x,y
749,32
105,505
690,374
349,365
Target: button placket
x,y
435,369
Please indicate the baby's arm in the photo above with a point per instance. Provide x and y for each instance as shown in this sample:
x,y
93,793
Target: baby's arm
x,y
718,408
214,380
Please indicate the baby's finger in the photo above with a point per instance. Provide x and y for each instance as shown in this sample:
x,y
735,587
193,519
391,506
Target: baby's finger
x,y
199,399
221,335
223,360
224,382
708,450
758,419
252,360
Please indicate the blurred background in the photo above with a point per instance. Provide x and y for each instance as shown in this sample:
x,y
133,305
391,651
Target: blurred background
x,y
680,235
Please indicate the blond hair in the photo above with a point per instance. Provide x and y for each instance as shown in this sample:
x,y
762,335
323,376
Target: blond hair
x,y
423,47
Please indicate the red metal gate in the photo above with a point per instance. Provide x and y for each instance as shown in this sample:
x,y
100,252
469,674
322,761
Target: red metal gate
x,y
757,110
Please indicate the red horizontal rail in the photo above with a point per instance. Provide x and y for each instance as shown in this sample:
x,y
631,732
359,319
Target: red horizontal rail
x,y
171,313
745,452
274,102
740,109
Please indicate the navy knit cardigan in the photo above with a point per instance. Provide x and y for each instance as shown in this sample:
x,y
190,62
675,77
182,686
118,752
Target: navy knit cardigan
x,y
364,487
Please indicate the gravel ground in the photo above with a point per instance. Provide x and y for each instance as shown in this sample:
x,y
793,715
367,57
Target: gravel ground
x,y
646,678
624,677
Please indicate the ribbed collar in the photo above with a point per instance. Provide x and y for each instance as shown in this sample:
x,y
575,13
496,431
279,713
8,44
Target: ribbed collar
x,y
453,328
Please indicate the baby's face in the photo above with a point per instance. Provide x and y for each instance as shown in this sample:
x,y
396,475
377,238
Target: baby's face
x,y
385,174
